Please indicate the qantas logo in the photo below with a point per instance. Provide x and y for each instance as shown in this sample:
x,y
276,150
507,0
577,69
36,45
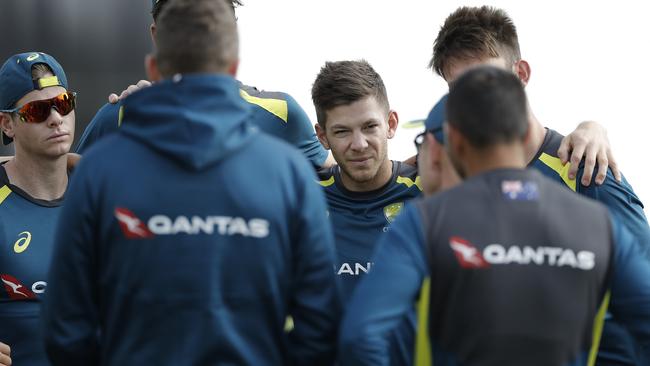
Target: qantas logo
x,y
467,254
134,228
15,289
496,254
131,226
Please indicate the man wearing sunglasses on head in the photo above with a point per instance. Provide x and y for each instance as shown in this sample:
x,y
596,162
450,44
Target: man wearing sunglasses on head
x,y
37,115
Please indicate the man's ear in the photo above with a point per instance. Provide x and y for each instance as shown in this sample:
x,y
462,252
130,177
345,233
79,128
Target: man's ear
x,y
152,30
6,124
151,66
232,69
393,121
522,69
322,136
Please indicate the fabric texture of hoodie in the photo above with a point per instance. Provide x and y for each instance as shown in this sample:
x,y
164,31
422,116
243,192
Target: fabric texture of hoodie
x,y
188,237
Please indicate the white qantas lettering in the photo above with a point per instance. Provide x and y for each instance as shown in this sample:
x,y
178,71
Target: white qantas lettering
x,y
223,225
39,287
553,256
353,269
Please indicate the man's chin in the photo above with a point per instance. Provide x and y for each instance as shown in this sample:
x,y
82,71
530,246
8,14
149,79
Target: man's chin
x,y
57,153
360,176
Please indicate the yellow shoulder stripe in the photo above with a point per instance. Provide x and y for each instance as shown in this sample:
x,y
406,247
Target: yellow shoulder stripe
x,y
120,115
422,341
598,329
4,192
327,183
409,182
562,170
276,106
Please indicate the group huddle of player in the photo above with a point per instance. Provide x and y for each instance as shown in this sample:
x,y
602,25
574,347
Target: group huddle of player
x,y
209,222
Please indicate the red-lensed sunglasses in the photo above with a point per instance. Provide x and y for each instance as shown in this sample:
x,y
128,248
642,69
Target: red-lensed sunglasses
x,y
39,110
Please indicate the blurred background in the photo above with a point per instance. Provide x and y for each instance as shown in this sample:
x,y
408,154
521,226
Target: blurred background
x,y
588,59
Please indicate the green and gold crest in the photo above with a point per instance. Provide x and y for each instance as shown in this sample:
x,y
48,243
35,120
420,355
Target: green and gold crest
x,y
391,211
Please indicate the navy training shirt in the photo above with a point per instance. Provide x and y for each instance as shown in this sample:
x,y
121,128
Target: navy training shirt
x,y
27,228
359,220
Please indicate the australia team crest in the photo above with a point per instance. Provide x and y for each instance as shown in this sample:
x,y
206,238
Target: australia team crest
x,y
391,211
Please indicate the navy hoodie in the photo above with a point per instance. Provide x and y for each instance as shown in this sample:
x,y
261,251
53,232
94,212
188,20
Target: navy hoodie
x,y
188,238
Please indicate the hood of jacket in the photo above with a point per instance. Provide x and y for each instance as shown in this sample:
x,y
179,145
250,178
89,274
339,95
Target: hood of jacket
x,y
196,120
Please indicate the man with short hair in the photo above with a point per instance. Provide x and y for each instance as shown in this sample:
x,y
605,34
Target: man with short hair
x,y
200,235
37,115
275,113
473,36
501,277
366,190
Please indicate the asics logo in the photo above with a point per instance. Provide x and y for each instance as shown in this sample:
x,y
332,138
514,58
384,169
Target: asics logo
x,y
22,243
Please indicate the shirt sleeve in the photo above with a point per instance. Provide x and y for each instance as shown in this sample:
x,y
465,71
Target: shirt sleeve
x,y
630,291
303,135
315,302
106,121
386,294
624,205
70,317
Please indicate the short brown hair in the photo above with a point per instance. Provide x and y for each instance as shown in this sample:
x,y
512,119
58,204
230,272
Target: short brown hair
x,y
196,36
41,70
499,113
475,33
157,8
345,82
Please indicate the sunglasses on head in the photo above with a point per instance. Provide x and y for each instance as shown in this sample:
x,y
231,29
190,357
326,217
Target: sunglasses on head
x,y
39,110
419,139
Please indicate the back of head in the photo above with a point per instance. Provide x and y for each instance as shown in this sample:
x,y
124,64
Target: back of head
x,y
345,82
487,105
475,33
196,36
158,5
